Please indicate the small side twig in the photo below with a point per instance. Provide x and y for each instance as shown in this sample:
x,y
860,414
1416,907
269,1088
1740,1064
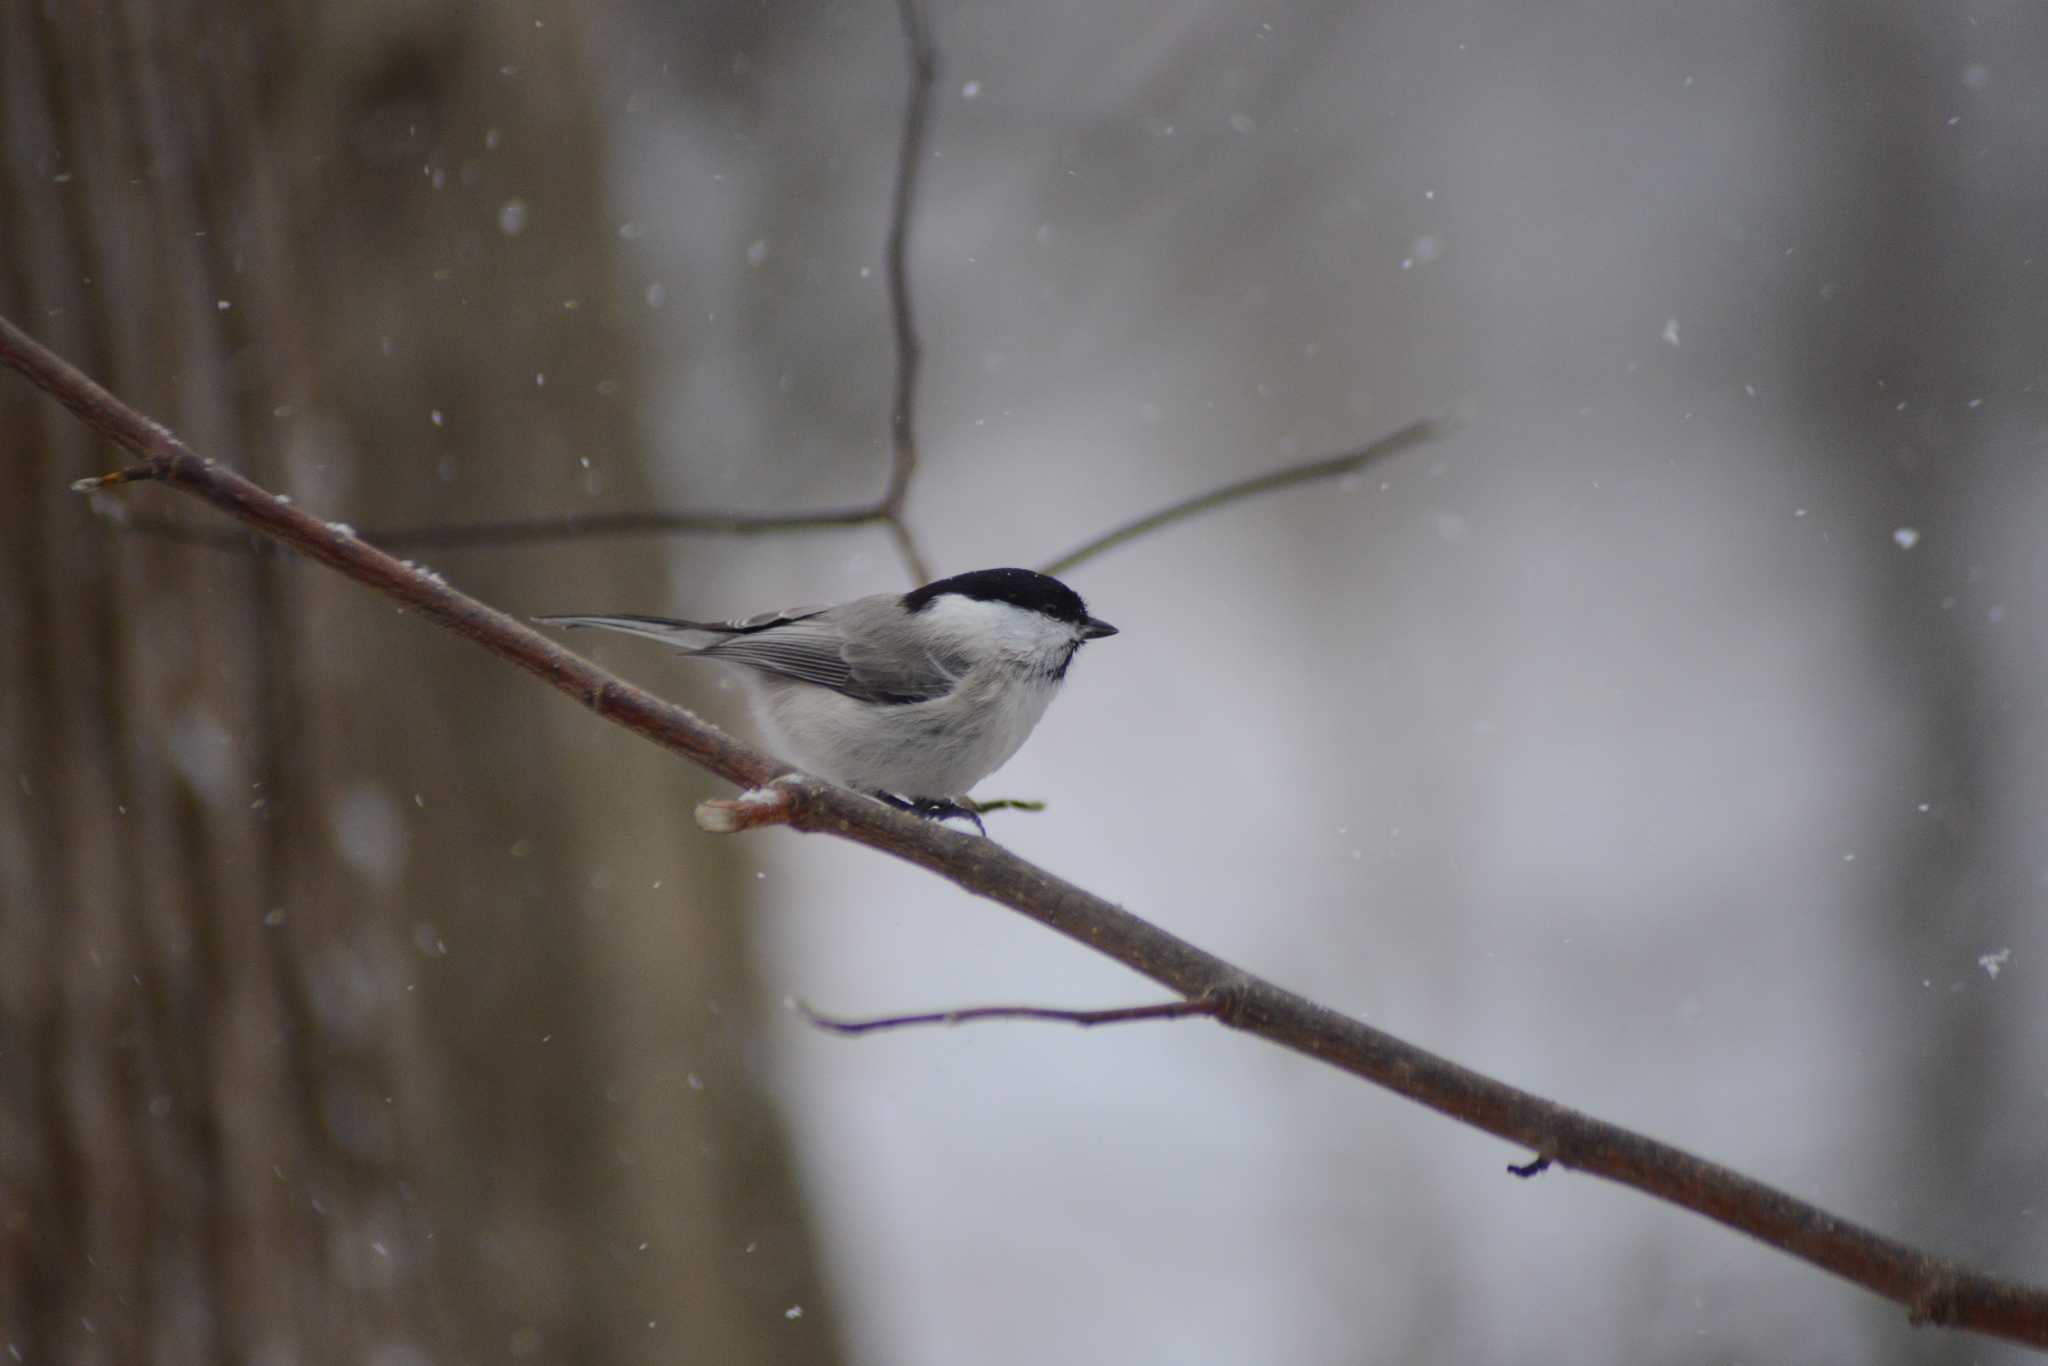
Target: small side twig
x,y
1163,1010
1535,1166
914,562
534,530
1308,471
127,474
752,809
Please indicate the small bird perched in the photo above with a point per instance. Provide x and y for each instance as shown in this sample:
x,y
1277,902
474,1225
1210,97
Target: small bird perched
x,y
911,697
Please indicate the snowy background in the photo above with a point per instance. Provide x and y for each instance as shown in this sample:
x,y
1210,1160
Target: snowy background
x,y
1668,740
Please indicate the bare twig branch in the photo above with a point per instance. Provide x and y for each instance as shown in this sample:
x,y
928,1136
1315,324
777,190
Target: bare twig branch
x,y
914,562
753,808
1164,1010
888,510
923,57
1933,1290
543,530
1308,471
535,530
546,530
128,475
924,72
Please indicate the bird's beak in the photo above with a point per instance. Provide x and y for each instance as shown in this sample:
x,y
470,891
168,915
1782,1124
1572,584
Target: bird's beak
x,y
1092,629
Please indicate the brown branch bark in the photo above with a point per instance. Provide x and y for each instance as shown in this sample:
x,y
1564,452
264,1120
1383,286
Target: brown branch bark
x,y
1932,1289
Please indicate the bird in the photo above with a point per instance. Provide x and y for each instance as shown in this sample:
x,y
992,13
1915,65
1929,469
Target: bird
x,y
912,698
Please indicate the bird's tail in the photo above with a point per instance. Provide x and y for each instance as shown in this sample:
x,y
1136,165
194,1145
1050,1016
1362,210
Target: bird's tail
x,y
681,635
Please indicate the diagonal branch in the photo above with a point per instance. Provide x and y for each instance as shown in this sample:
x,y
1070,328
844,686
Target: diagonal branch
x,y
1932,1289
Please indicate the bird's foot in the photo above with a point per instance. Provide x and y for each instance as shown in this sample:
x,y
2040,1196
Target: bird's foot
x,y
933,808
944,810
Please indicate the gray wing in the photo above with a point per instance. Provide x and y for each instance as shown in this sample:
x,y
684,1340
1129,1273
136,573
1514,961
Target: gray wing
x,y
858,648
807,649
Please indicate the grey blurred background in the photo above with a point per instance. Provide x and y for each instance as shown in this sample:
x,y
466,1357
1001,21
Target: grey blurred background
x,y
1667,740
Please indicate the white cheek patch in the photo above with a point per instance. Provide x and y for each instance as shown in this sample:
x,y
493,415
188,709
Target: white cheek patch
x,y
974,624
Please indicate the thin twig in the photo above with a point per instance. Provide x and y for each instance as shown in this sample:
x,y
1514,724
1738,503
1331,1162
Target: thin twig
x,y
914,562
543,530
534,530
924,71
1932,1289
1308,471
1163,1010
923,58
549,529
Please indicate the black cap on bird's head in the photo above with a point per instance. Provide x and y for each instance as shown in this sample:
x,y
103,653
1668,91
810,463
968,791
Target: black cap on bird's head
x,y
1025,588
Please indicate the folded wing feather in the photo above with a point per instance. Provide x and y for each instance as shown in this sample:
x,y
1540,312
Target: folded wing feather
x,y
844,649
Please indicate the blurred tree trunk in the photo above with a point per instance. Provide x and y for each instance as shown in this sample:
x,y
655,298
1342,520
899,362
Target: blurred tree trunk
x,y
358,1000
